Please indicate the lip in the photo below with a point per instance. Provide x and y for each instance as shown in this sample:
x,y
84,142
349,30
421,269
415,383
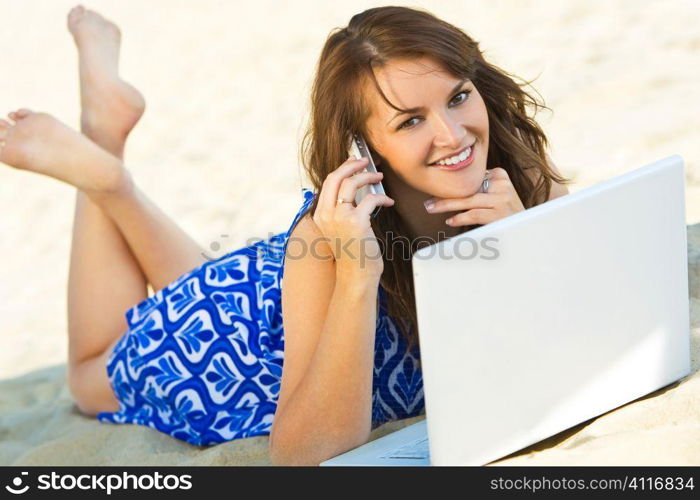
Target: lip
x,y
462,164
452,154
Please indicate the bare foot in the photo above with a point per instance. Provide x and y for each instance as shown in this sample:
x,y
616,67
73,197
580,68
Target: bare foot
x,y
39,143
110,106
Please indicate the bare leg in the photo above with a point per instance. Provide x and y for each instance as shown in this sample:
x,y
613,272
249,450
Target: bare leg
x,y
110,109
39,143
107,275
104,279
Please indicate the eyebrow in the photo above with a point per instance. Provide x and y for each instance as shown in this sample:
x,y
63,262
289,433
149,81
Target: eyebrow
x,y
415,110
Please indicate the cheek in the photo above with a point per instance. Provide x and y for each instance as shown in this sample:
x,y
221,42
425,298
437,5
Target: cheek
x,y
408,156
483,114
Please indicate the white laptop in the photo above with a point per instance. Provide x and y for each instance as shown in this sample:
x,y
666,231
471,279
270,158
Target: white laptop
x,y
582,308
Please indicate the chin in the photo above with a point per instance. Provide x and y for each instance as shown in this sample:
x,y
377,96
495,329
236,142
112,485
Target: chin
x,y
457,184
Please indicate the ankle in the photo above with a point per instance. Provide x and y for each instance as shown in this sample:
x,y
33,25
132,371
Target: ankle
x,y
109,141
118,184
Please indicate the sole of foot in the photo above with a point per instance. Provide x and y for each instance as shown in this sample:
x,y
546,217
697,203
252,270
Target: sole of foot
x,y
38,142
110,106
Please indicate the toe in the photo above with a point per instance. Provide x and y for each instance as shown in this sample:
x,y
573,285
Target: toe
x,y
23,113
95,16
75,14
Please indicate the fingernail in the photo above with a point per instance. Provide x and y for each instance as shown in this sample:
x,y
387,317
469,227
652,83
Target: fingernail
x,y
448,222
429,205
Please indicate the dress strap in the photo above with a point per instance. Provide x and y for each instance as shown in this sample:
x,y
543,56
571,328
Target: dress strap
x,y
308,196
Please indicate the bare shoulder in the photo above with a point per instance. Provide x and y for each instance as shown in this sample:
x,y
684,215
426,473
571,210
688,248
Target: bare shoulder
x,y
307,236
557,189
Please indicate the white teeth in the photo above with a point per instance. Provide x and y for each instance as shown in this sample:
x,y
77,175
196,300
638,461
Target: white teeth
x,y
456,159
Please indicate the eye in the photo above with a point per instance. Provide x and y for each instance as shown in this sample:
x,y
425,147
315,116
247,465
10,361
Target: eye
x,y
457,100
465,93
407,123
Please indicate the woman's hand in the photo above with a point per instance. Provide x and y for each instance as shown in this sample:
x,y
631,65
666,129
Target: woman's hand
x,y
346,226
500,201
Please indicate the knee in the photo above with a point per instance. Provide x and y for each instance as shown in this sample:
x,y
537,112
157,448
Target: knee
x,y
87,392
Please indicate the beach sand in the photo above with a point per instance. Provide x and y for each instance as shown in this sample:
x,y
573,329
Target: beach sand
x,y
227,87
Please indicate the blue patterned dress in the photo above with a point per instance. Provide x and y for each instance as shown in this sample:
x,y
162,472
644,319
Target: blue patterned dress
x,y
202,358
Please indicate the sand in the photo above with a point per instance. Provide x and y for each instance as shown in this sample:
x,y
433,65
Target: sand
x,y
227,85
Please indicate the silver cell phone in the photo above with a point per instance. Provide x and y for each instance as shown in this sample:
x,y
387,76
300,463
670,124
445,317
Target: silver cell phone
x,y
358,148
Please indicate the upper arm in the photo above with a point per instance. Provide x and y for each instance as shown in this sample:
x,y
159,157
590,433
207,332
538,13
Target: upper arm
x,y
308,283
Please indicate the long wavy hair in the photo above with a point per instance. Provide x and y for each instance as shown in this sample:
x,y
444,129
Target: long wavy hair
x,y
339,107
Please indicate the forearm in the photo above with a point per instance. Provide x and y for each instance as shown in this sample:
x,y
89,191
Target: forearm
x,y
330,410
163,250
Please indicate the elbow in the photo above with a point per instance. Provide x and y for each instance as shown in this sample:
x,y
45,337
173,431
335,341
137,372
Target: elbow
x,y
279,454
311,449
283,449
285,453
283,458
276,455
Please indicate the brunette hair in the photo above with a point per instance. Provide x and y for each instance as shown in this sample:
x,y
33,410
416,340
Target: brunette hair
x,y
339,108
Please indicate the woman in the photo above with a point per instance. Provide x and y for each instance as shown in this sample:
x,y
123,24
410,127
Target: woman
x,y
202,358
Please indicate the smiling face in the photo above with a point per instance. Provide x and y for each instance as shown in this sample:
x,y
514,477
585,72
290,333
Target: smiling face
x,y
449,116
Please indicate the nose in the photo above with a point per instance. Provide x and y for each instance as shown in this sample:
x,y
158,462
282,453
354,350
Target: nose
x,y
449,132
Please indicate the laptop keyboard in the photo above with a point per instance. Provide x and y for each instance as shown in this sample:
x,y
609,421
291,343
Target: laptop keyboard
x,y
414,449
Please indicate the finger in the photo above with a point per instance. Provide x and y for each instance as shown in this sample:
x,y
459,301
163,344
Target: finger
x,y
499,182
475,216
479,200
328,196
350,185
372,201
497,174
